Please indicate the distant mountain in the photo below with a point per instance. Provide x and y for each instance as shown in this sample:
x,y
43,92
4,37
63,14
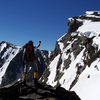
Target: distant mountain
x,y
7,52
11,62
75,62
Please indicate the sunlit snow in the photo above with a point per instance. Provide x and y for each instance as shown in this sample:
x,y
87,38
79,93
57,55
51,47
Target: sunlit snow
x,y
53,70
88,85
92,27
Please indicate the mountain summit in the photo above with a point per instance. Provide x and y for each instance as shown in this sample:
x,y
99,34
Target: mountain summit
x,y
75,61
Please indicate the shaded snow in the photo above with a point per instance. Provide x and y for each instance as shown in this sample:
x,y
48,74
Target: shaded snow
x,y
96,42
73,34
61,45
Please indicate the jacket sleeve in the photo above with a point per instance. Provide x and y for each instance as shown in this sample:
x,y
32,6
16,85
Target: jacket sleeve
x,y
39,43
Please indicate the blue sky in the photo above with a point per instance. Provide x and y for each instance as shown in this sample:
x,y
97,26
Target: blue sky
x,y
45,20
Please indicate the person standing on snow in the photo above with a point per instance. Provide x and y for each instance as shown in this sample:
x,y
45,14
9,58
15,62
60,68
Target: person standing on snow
x,y
30,60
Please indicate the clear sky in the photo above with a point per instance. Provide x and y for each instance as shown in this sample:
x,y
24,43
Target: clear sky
x,y
45,20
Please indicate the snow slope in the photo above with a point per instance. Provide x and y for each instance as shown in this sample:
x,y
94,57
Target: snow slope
x,y
88,84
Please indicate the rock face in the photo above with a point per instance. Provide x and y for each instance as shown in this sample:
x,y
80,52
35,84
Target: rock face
x,y
11,62
73,52
22,91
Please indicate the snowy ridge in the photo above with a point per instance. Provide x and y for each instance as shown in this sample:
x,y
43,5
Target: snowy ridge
x,y
75,61
7,53
93,14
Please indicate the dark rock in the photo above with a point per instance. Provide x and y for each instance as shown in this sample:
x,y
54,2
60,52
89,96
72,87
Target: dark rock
x,y
63,94
28,91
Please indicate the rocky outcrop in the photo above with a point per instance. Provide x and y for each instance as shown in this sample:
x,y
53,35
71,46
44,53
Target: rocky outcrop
x,y
72,51
27,91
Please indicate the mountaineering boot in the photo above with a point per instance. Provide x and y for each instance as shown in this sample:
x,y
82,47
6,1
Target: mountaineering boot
x,y
35,78
35,81
24,77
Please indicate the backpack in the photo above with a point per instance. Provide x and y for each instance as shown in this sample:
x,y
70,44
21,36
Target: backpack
x,y
29,53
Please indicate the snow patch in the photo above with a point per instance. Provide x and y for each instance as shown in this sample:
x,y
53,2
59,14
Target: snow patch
x,y
92,29
53,70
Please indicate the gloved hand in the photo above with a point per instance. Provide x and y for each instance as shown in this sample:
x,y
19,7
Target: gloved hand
x,y
39,42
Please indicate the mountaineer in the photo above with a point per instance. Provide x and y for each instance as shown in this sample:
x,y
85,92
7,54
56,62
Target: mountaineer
x,y
29,60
